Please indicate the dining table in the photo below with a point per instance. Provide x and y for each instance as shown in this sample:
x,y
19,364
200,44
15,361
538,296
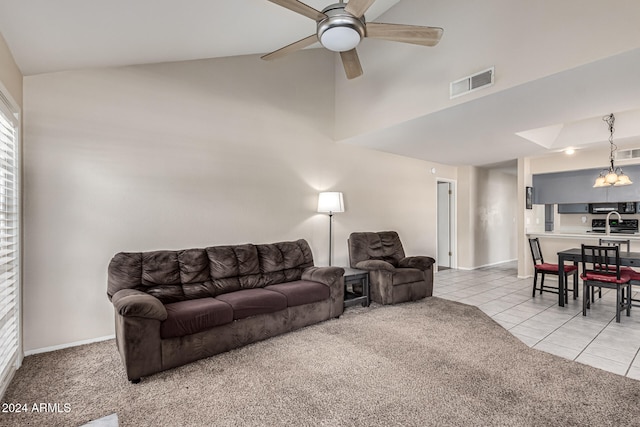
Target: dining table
x,y
627,258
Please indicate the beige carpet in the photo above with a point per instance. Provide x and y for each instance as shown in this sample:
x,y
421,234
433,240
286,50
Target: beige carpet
x,y
430,363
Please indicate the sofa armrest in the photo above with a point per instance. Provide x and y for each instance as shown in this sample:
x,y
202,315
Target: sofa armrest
x,y
419,262
134,303
374,264
325,275
333,277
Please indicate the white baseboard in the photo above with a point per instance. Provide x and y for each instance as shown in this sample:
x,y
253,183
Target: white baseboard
x,y
71,344
487,265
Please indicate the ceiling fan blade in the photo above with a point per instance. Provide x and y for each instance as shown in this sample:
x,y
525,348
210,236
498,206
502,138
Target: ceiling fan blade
x,y
351,64
301,8
358,7
415,34
300,44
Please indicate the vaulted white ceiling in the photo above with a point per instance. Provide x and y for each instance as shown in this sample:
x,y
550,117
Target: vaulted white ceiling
x,y
560,66
46,36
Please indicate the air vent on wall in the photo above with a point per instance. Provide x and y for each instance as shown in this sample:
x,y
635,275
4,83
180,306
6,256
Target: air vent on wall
x,y
633,153
471,83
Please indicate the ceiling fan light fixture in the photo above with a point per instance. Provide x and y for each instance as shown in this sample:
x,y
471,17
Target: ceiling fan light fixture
x,y
340,39
340,31
340,27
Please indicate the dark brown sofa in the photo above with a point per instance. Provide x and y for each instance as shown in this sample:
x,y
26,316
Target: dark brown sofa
x,y
393,277
175,307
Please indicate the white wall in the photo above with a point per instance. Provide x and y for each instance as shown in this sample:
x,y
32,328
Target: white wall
x,y
10,75
552,36
496,215
487,217
192,154
467,223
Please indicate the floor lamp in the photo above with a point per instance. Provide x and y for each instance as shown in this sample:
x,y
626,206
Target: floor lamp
x,y
330,202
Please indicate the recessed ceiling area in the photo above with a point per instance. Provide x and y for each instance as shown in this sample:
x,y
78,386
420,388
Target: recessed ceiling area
x,y
583,133
496,127
559,66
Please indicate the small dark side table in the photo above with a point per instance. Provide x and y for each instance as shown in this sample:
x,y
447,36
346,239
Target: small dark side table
x,y
352,297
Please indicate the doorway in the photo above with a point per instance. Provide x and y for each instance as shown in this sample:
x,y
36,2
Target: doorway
x,y
446,225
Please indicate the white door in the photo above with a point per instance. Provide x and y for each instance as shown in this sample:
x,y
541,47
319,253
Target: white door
x,y
444,225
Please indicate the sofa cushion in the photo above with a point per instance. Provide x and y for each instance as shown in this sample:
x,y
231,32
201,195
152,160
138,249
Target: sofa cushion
x,y
407,275
194,274
271,264
160,268
251,302
125,272
284,261
161,276
194,266
191,316
234,267
383,246
301,292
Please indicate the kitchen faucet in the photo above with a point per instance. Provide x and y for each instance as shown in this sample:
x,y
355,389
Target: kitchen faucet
x,y
607,227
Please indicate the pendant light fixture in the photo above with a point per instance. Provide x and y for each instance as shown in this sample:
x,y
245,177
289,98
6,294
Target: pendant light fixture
x,y
613,175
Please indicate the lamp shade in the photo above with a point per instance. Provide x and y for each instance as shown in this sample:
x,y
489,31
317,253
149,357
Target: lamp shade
x,y
330,201
611,178
623,180
600,182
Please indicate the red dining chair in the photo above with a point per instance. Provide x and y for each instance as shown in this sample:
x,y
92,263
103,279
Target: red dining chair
x,y
626,243
544,268
616,242
635,281
635,275
601,268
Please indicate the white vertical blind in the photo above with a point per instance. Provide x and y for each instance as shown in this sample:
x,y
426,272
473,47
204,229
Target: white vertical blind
x,y
9,244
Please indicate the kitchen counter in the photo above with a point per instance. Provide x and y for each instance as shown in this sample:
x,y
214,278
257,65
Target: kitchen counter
x,y
583,235
552,242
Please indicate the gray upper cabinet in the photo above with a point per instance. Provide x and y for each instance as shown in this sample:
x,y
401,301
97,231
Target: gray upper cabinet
x,y
573,208
577,187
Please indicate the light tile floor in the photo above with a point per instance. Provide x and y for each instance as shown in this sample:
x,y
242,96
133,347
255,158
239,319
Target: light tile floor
x,y
539,322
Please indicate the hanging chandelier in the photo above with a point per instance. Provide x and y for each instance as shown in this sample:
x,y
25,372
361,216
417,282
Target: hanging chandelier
x,y
613,175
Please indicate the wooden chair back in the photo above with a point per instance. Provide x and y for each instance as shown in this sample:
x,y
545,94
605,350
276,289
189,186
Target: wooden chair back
x,y
601,260
616,242
536,253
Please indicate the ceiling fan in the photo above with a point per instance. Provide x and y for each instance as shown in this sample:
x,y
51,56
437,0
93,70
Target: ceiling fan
x,y
341,27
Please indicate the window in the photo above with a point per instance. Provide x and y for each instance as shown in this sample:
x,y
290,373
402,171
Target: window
x,y
10,353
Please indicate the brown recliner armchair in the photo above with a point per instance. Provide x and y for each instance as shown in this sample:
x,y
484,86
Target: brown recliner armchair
x,y
393,277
